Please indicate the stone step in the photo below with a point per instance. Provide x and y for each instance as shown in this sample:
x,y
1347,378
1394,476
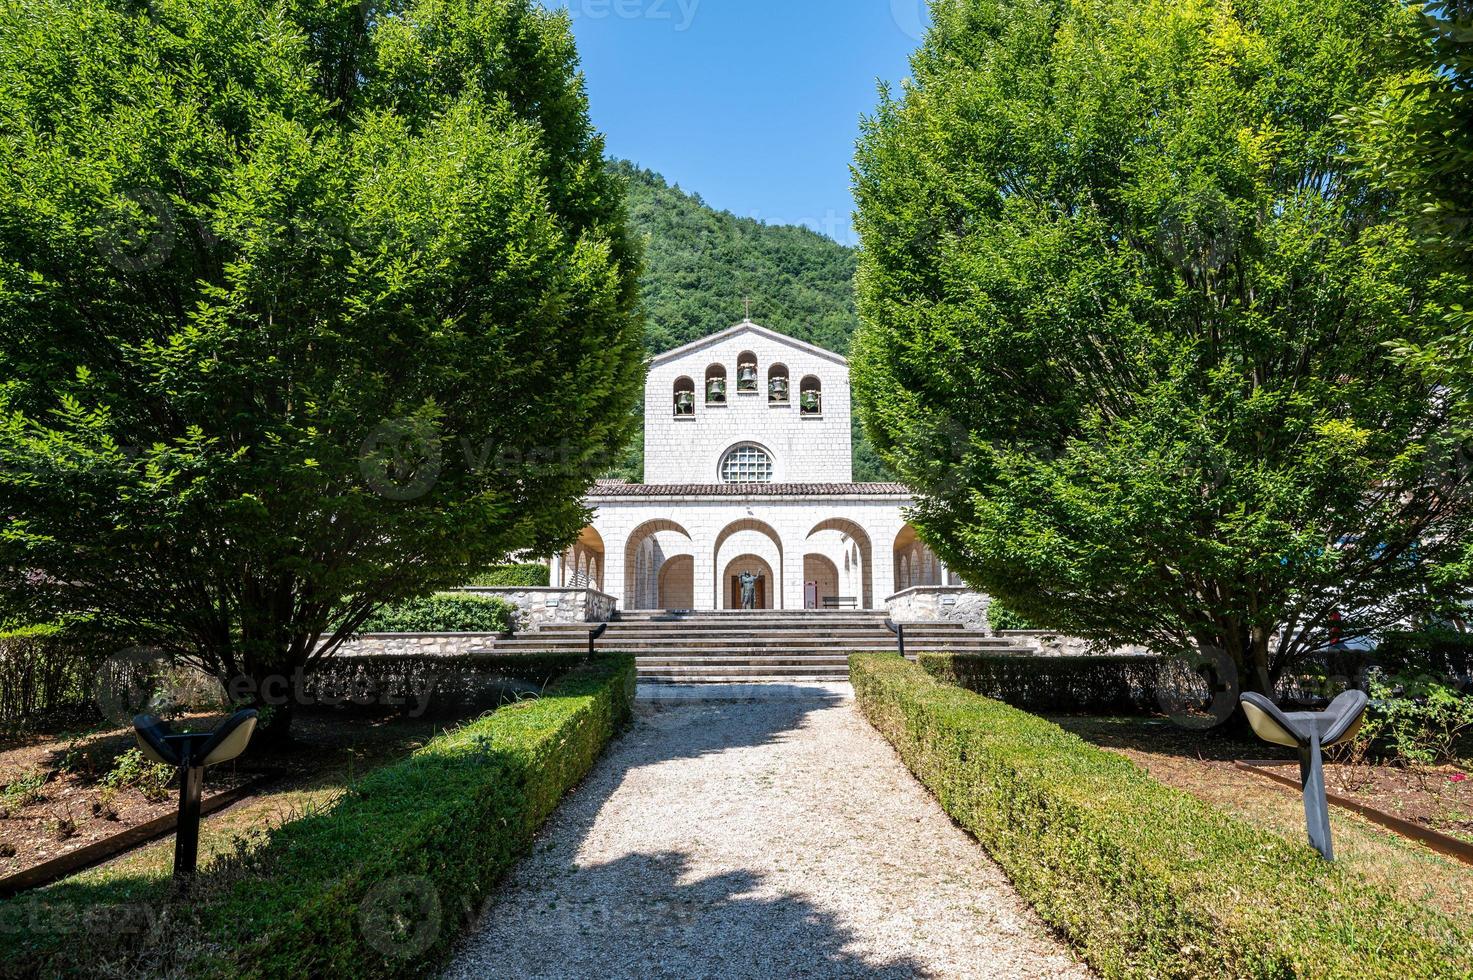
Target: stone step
x,y
743,673
741,646
809,619
792,636
647,664
714,649
746,679
749,613
719,639
719,629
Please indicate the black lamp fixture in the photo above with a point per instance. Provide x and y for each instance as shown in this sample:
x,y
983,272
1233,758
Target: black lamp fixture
x,y
191,753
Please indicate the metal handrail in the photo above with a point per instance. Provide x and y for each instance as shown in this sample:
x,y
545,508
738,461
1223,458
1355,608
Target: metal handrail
x,y
899,630
595,634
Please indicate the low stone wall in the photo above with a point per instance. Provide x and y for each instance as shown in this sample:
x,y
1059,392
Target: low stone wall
x,y
416,644
537,608
1058,645
940,604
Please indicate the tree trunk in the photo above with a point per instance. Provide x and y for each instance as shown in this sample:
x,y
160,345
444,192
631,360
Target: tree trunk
x,y
274,727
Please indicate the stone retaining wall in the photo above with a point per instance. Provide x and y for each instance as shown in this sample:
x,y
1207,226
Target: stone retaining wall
x,y
540,607
1057,645
940,604
416,644
535,608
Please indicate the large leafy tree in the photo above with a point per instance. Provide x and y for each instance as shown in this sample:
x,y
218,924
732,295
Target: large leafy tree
x,y
305,306
1414,137
1415,133
1125,305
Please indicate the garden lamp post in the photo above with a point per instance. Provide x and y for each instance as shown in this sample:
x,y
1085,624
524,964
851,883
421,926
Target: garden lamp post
x,y
191,753
1310,732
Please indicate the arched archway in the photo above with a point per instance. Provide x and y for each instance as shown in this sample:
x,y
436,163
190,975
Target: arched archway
x,y
678,582
748,537
820,580
915,563
648,548
767,587
582,563
848,546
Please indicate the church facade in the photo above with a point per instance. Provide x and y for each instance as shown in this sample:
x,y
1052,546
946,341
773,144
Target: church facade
x,y
748,470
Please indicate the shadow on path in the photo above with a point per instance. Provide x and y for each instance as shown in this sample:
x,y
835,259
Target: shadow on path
x,y
644,916
647,910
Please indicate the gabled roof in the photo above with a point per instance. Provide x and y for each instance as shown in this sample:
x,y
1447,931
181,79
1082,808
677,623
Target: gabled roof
x,y
747,326
609,488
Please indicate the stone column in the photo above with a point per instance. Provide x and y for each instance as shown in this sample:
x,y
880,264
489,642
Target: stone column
x,y
794,550
704,577
614,567
882,541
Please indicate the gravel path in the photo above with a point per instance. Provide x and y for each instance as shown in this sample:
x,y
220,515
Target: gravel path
x,y
779,837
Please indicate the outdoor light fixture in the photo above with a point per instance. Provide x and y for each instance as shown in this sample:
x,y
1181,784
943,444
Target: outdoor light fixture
x,y
899,630
191,753
594,634
1310,732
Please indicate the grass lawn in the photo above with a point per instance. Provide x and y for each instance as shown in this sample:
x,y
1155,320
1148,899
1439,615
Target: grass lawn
x,y
332,750
1202,764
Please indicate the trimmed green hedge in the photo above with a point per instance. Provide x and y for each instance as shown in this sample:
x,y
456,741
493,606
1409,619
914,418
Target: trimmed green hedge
x,y
528,576
1000,618
1437,651
1103,684
447,612
376,885
447,685
50,671
1144,880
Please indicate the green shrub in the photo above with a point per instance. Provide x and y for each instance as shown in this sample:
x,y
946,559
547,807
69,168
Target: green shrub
x,y
448,612
23,791
440,685
45,670
1427,651
377,884
1100,685
1000,618
526,576
1144,880
131,769
1415,719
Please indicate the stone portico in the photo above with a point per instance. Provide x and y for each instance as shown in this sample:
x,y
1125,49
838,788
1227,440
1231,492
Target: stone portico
x,y
748,468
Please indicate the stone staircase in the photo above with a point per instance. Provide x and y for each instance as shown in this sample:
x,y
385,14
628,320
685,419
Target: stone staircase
x,y
739,646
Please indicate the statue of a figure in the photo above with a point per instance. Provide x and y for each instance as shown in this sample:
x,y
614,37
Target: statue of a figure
x,y
749,589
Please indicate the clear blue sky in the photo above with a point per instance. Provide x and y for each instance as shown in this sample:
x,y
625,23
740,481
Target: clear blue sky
x,y
753,104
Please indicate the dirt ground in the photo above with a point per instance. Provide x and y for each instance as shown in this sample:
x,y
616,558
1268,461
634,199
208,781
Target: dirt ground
x,y
1202,764
54,796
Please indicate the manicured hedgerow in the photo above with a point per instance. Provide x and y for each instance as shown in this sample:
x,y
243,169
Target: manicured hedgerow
x,y
1144,880
446,612
377,884
1097,684
524,576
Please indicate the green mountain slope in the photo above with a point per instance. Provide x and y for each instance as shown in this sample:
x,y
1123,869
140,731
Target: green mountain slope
x,y
701,264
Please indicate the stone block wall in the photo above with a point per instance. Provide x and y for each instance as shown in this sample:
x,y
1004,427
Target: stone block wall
x,y
416,644
804,449
1050,644
537,608
940,604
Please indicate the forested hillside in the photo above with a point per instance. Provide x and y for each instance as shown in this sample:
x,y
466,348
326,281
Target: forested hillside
x,y
700,264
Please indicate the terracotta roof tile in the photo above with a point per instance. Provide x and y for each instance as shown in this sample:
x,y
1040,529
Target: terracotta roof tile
x,y
609,489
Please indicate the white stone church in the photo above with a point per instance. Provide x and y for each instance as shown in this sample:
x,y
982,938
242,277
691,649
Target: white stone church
x,y
748,468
